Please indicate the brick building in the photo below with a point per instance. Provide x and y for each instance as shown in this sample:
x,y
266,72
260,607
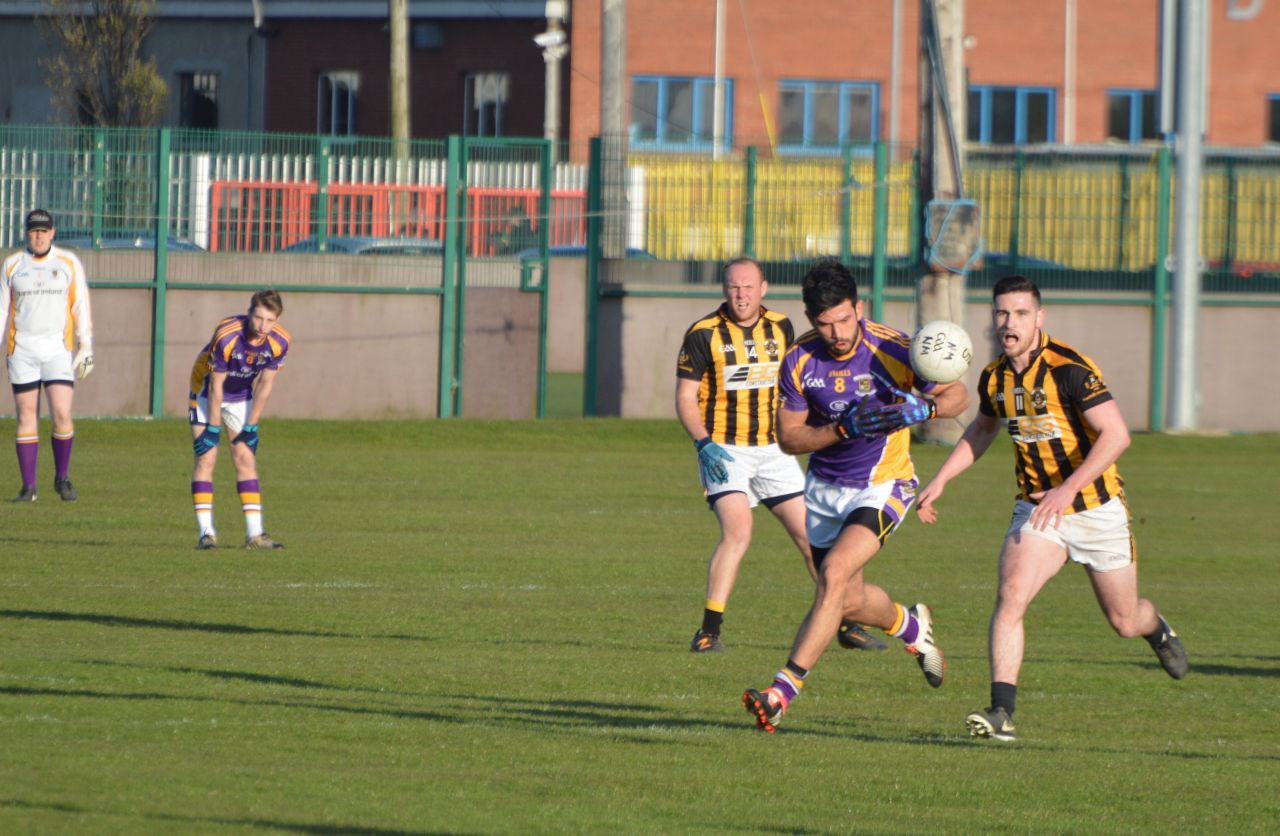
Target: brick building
x,y
814,74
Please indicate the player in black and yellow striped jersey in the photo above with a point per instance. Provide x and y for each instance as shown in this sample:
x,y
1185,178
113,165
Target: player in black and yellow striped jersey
x,y
726,399
1067,433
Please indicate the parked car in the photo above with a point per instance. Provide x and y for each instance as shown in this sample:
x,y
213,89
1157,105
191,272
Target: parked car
x,y
367,245
577,250
124,241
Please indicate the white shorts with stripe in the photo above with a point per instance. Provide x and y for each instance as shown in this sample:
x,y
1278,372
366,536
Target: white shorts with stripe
x,y
1100,538
762,473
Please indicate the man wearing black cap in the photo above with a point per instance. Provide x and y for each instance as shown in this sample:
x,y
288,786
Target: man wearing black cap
x,y
49,343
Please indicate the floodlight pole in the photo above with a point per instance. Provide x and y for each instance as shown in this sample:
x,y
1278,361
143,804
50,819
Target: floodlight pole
x,y
1183,370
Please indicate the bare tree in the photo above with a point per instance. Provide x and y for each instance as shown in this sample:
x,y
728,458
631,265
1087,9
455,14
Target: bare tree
x,y
96,71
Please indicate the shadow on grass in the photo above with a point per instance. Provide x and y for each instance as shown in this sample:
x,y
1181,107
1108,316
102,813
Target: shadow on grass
x,y
1219,668
106,620
289,827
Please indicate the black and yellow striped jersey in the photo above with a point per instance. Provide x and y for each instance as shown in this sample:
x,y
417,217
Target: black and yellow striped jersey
x,y
738,371
1043,408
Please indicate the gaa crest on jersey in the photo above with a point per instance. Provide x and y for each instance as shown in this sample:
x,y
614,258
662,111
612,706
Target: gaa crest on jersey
x,y
771,346
1038,398
751,376
863,384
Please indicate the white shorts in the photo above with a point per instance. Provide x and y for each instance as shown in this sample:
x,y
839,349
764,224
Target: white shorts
x,y
762,473
233,413
1099,538
829,507
53,363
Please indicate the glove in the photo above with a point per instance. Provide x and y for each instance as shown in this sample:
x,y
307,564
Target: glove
x,y
83,363
912,410
248,436
711,458
860,421
207,440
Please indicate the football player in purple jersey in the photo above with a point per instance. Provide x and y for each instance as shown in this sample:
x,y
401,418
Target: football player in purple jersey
x,y
231,382
846,398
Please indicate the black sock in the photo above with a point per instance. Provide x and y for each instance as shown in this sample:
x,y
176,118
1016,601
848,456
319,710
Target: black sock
x,y
1004,695
1162,629
711,621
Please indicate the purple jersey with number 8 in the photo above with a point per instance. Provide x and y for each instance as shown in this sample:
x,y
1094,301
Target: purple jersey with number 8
x,y
812,379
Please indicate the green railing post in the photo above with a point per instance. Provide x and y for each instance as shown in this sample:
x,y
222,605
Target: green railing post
x,y
99,183
1233,217
159,295
464,233
1015,220
879,229
846,206
449,325
544,290
749,204
324,154
590,366
1125,211
1164,174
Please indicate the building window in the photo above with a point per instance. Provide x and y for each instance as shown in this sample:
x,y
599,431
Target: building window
x,y
198,100
827,115
336,97
1273,117
1012,115
1133,115
676,112
426,36
485,104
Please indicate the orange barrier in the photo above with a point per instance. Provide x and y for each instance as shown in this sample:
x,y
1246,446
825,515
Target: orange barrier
x,y
265,216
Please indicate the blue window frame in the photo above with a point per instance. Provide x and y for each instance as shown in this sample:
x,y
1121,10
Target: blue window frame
x,y
825,116
1133,115
1012,115
1273,117
677,112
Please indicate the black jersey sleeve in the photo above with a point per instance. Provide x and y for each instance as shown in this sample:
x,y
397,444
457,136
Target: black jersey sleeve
x,y
1081,386
695,354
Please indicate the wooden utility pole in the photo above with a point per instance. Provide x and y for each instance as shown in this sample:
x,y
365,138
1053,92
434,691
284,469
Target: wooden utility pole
x,y
940,292
398,12
613,128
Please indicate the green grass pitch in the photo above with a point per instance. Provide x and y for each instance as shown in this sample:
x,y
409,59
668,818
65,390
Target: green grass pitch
x,y
483,628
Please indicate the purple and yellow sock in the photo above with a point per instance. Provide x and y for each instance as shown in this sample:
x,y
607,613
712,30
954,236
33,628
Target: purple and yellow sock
x,y
62,454
28,447
251,504
202,499
906,626
788,683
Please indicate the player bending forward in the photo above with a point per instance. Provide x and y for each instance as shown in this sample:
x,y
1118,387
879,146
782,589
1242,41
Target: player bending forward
x,y
231,383
846,399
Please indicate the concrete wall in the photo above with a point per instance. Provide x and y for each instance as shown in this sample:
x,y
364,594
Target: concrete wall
x,y
640,336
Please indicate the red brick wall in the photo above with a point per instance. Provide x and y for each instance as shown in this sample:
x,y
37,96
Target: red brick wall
x,y
303,49
1014,42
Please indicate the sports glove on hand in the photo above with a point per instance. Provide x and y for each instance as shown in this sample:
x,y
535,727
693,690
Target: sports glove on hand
x,y
860,421
207,440
83,363
247,436
911,411
711,458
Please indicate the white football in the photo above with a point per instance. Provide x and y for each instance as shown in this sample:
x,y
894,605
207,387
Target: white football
x,y
941,351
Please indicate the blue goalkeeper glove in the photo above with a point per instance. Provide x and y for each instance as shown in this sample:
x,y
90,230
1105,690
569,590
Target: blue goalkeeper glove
x,y
248,436
711,458
912,410
207,440
862,420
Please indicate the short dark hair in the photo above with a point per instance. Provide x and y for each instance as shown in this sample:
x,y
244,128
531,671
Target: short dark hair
x,y
1015,284
827,284
742,259
268,299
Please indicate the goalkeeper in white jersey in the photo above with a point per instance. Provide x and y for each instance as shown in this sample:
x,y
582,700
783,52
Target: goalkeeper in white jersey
x,y
48,337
